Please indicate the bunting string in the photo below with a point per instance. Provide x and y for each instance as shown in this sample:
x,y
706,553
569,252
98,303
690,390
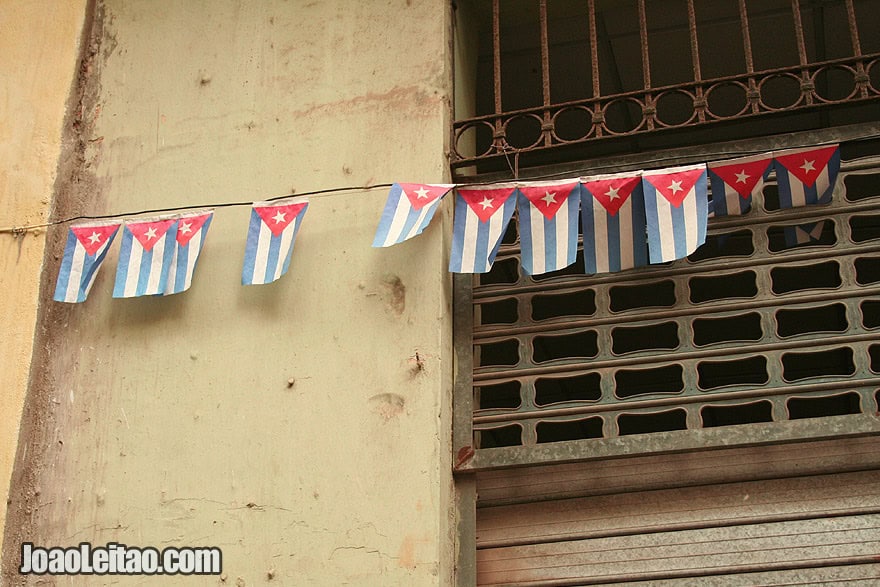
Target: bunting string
x,y
629,220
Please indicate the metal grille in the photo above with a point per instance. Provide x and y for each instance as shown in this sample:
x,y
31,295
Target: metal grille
x,y
774,319
819,40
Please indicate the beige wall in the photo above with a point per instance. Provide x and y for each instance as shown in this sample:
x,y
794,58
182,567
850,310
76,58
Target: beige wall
x,y
173,421
38,56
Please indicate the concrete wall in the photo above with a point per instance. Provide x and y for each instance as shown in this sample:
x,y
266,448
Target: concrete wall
x,y
303,426
38,57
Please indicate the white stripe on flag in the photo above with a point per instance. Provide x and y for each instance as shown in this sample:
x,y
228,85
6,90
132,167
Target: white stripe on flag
x,y
469,242
536,225
195,246
155,269
420,219
625,227
664,221
398,220
261,255
134,264
74,283
561,226
284,248
689,207
600,236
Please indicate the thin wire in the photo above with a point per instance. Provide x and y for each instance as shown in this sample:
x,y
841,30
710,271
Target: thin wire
x,y
319,193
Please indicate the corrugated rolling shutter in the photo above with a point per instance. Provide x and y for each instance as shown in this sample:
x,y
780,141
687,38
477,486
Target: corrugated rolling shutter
x,y
820,529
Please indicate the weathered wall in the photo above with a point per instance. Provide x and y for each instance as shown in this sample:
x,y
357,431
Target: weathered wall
x,y
302,426
38,57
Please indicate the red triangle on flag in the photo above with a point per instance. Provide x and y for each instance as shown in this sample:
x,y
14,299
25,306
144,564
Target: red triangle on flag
x,y
548,199
742,176
675,186
276,218
148,233
485,203
612,193
420,195
806,165
93,238
188,226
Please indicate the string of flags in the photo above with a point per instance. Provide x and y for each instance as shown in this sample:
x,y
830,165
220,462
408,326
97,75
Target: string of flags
x,y
628,220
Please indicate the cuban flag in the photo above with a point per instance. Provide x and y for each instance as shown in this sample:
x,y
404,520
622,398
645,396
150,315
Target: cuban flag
x,y
548,225
408,211
145,257
676,208
86,247
614,226
481,217
735,182
271,234
806,176
191,232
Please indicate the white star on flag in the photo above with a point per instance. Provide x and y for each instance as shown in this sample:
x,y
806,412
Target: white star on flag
x,y
549,198
612,193
675,187
95,238
150,234
487,203
742,176
422,193
808,166
185,227
279,217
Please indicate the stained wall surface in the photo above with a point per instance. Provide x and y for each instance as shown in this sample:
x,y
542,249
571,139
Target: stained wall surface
x,y
303,426
38,57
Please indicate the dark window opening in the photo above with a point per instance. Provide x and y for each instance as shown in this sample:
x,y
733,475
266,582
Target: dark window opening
x,y
818,276
818,407
510,233
501,395
736,285
581,345
648,423
870,313
497,353
553,390
874,354
500,312
648,295
503,272
714,374
579,303
867,270
831,318
864,228
797,366
861,186
746,327
630,383
629,339
498,437
561,431
731,415
731,244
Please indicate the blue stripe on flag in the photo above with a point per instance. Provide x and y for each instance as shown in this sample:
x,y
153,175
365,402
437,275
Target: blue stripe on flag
x,y
64,272
123,267
272,259
250,251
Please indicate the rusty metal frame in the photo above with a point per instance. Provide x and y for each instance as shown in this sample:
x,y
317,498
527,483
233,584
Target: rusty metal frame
x,y
469,459
752,84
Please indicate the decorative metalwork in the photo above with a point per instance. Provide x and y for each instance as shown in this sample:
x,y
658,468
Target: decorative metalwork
x,y
649,109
